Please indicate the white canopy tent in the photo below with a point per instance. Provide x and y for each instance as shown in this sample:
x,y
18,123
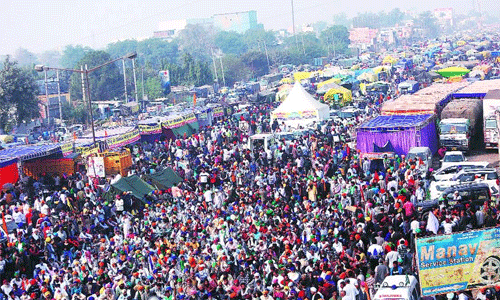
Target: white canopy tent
x,y
300,108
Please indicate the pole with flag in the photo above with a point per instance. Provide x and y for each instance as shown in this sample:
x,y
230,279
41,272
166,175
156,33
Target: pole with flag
x,y
194,101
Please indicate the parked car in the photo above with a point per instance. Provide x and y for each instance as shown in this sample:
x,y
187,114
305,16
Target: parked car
x,y
446,173
451,157
490,176
421,153
471,193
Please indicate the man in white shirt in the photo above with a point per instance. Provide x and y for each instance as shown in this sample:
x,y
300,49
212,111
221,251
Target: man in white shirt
x,y
350,290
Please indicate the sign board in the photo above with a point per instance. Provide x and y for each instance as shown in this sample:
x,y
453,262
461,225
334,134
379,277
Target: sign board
x,y
460,261
95,167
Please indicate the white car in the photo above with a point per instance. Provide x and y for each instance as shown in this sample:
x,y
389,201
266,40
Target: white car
x,y
447,173
436,188
452,157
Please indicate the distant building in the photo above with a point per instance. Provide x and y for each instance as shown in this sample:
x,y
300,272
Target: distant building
x,y
239,22
363,37
307,28
444,17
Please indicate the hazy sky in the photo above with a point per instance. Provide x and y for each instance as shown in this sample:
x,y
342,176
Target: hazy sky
x,y
50,25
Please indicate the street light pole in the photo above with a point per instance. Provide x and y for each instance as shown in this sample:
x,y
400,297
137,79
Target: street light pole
x,y
47,97
59,96
90,102
125,81
135,80
85,74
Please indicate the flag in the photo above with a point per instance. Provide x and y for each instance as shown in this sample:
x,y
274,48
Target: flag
x,y
4,226
194,100
74,136
105,133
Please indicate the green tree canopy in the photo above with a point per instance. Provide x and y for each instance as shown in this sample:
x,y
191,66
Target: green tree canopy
x,y
428,23
197,40
72,55
336,38
230,42
105,83
18,95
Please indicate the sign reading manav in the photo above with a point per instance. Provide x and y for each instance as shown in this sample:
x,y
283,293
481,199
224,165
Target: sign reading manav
x,y
460,261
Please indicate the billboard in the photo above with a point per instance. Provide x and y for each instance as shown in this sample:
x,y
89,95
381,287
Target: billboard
x,y
165,81
96,167
460,261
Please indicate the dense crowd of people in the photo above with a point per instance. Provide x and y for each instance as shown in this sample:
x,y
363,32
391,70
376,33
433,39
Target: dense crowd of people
x,y
306,219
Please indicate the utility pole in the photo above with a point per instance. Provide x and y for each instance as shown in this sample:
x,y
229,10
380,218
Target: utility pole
x,y
293,25
135,80
59,96
90,104
125,80
84,97
142,79
267,55
215,66
222,70
47,97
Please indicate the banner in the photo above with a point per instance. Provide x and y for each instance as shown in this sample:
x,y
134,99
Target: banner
x,y
87,150
150,129
67,148
461,261
218,112
165,81
95,167
296,115
123,139
174,122
190,118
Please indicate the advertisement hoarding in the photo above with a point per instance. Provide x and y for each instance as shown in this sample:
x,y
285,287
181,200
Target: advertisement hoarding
x,y
460,261
96,167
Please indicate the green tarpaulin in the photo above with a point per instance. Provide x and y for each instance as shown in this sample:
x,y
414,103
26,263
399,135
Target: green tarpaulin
x,y
138,187
194,126
164,179
179,131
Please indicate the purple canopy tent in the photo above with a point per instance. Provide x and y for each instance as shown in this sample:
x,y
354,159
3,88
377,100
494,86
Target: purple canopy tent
x,y
403,131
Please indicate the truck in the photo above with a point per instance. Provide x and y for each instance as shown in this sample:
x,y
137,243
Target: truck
x,y
460,124
491,104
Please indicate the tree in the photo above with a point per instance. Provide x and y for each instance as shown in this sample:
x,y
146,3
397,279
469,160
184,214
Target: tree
x,y
259,39
25,58
197,40
50,58
72,55
256,62
105,83
18,95
235,69
336,38
428,23
230,42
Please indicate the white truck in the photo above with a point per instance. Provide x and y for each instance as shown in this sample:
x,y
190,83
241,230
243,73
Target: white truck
x,y
460,124
491,104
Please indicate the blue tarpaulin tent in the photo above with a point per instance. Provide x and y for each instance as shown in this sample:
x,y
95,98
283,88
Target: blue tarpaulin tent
x,y
403,131
32,151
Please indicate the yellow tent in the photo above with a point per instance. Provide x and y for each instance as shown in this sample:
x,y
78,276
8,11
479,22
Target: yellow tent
x,y
298,76
380,69
287,80
370,77
331,80
338,95
389,60
461,43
